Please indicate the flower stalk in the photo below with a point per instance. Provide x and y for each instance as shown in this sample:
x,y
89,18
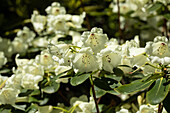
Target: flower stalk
x,y
94,94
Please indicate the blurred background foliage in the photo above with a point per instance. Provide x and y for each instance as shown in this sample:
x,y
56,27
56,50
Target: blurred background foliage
x,y
14,14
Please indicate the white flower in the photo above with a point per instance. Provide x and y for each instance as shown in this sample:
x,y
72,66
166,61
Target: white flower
x,y
85,61
57,24
32,75
158,50
110,59
14,81
30,81
85,107
55,9
75,37
40,42
2,79
124,7
20,62
26,35
123,111
61,53
77,20
8,95
38,21
19,45
126,61
45,59
3,59
125,48
139,3
112,42
149,109
61,69
6,47
33,69
94,39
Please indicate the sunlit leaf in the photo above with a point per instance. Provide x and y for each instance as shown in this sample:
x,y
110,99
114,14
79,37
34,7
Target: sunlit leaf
x,y
79,79
135,86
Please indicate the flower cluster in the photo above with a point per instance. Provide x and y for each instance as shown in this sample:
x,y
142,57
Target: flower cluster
x,y
56,20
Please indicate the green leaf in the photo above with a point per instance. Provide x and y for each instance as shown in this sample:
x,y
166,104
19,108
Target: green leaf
x,y
167,16
158,93
118,72
99,92
166,103
20,107
52,88
5,71
35,92
135,86
32,99
155,7
112,76
79,79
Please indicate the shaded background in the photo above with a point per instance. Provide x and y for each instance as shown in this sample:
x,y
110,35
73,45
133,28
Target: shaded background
x,y
13,14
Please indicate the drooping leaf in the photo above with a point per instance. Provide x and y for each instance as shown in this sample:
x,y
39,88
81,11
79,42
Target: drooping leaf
x,y
76,80
135,86
158,93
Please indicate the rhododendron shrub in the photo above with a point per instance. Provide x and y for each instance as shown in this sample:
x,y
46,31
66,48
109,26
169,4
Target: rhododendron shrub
x,y
79,70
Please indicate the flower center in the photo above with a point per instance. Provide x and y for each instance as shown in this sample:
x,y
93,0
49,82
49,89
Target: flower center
x,y
86,59
93,39
160,49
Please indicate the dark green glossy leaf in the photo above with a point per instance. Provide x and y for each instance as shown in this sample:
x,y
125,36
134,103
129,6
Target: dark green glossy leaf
x,y
118,72
79,79
155,7
99,92
104,83
135,86
158,93
166,103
